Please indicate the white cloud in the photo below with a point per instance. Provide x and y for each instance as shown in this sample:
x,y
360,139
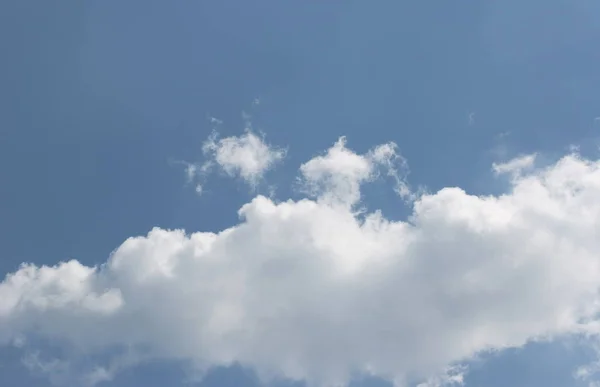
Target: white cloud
x,y
215,121
191,170
247,156
589,372
307,290
336,177
194,172
515,166
199,189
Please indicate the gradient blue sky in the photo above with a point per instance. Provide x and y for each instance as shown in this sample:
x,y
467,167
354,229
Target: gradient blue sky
x,y
98,98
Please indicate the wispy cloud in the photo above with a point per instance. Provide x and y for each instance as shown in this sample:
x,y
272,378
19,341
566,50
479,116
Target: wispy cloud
x,y
516,166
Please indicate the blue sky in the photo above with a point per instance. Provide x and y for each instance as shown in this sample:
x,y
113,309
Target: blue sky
x,y
102,100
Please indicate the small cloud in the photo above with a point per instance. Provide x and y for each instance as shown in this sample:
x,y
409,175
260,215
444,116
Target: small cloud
x,y
336,176
215,121
247,156
515,166
471,118
190,171
98,375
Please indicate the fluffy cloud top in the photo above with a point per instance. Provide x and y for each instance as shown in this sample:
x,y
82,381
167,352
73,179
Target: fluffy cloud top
x,y
306,290
336,177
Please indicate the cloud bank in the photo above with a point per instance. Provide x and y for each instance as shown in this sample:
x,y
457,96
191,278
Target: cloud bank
x,y
307,290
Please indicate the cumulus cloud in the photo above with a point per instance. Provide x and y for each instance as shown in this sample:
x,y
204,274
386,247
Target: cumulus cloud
x,y
247,156
337,176
307,290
